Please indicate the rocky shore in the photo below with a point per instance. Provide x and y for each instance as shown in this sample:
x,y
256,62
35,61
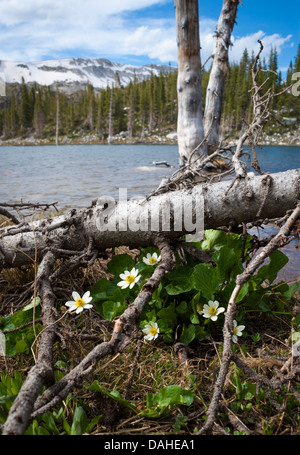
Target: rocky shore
x,y
285,138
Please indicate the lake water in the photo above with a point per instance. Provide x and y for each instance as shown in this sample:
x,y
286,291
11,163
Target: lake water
x,y
74,175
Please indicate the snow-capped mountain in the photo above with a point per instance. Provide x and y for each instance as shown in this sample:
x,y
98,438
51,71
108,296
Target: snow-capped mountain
x,y
75,72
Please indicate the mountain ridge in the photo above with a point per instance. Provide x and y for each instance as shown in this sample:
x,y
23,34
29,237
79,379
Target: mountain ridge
x,y
72,73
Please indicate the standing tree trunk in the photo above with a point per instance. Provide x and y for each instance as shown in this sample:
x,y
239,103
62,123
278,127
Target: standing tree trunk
x,y
57,117
215,88
190,128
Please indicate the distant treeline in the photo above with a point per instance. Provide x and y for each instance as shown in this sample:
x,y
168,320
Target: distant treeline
x,y
140,108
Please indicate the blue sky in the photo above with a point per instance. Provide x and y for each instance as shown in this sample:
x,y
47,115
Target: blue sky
x,y
137,31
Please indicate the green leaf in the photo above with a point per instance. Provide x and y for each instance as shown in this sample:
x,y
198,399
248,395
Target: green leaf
x,y
293,288
243,292
206,279
269,272
188,334
66,425
182,308
112,309
99,287
213,238
50,423
34,303
264,304
115,395
168,315
79,422
21,346
119,263
92,423
179,288
226,260
161,404
180,280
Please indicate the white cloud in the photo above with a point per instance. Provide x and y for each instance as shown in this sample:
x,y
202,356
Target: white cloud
x,y
33,30
250,42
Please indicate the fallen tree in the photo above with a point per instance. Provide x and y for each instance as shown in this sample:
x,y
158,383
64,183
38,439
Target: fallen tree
x,y
108,223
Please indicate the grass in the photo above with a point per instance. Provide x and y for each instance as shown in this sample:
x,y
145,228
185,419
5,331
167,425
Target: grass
x,y
265,343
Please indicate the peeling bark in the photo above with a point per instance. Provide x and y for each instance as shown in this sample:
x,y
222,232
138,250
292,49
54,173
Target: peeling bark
x,y
190,128
216,84
134,223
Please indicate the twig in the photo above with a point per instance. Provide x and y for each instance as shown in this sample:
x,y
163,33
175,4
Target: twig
x,y
279,240
123,328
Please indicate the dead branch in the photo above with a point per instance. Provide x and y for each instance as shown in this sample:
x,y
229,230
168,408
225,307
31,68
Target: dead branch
x,y
278,241
27,404
42,372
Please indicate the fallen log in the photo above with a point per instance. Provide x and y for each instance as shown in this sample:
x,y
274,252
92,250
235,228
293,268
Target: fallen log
x,y
109,223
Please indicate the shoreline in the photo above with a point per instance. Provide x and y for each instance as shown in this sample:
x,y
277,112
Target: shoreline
x,y
25,143
276,139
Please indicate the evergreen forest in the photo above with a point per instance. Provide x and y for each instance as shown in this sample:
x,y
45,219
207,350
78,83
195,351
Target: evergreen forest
x,y
141,109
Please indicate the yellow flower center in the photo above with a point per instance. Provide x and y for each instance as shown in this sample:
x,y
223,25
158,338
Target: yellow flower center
x,y
79,303
212,310
130,279
234,330
152,260
153,331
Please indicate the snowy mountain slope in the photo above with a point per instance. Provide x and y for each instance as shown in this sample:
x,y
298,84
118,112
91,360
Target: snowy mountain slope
x,y
71,72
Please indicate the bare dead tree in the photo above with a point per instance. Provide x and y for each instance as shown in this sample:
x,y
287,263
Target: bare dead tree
x,y
219,69
190,129
197,134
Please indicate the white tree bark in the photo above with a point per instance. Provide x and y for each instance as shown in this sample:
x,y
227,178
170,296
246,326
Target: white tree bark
x,y
109,223
190,128
215,88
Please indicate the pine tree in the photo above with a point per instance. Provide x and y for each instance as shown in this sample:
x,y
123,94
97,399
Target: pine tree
x,y
26,108
38,115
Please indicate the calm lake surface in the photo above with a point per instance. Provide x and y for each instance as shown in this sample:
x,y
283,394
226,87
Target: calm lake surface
x,y
74,175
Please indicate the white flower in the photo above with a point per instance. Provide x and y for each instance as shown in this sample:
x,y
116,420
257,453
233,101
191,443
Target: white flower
x,y
200,309
237,331
212,310
129,278
152,259
80,303
151,331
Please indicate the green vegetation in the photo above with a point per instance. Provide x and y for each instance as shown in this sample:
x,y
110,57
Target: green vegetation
x,y
164,396
140,110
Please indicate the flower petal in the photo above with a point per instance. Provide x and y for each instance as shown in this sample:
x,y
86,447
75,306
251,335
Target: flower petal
x,y
134,272
72,308
75,295
86,296
123,284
